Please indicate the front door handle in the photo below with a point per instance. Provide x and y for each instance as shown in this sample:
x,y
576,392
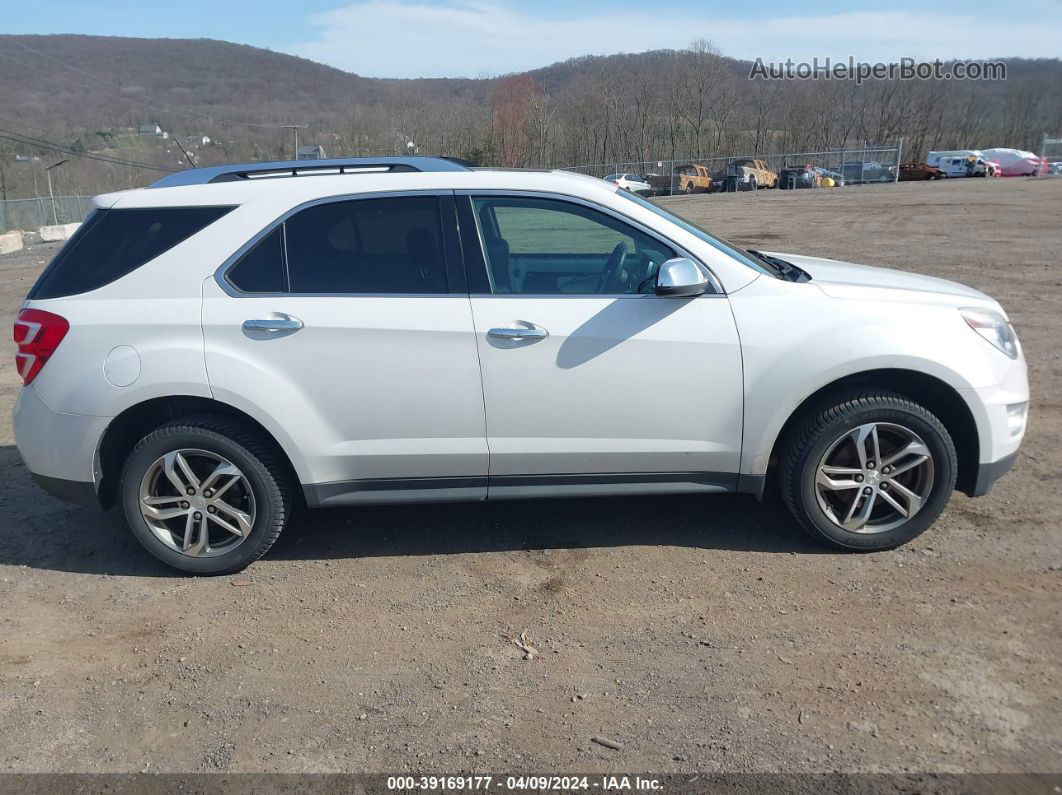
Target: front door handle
x,y
518,333
278,323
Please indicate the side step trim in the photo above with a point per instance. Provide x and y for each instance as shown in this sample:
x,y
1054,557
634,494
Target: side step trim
x,y
460,488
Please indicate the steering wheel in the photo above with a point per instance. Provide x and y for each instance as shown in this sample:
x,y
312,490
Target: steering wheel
x,y
612,267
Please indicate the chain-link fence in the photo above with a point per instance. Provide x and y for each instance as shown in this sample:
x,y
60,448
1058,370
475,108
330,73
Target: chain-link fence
x,y
849,166
31,214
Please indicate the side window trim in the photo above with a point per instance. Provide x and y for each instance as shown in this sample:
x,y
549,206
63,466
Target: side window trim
x,y
451,248
476,264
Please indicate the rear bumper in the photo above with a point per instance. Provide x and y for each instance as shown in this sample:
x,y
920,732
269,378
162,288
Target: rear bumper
x,y
75,491
59,450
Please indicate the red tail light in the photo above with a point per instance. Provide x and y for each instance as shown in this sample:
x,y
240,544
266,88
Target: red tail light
x,y
37,334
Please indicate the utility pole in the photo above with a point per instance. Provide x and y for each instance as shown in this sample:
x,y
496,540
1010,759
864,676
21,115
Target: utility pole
x,y
295,132
51,196
184,151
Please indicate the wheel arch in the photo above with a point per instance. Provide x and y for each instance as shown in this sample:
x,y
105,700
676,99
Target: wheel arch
x,y
138,420
938,396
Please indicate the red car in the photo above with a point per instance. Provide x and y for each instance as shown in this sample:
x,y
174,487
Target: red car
x,y
913,171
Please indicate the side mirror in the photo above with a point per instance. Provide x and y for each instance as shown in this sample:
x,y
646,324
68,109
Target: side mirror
x,y
681,277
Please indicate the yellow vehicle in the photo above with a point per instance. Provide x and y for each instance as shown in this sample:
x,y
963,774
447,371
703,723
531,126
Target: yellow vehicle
x,y
686,178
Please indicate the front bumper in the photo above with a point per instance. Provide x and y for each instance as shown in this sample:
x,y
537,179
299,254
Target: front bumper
x,y
59,450
988,474
998,436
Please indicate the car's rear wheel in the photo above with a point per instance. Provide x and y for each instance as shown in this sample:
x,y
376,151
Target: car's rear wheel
x,y
868,471
753,185
206,495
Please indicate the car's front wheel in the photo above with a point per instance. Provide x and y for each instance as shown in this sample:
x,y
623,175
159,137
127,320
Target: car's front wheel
x,y
206,495
868,471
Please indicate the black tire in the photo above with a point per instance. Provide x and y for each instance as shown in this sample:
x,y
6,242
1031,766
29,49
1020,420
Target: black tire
x,y
753,184
245,447
812,437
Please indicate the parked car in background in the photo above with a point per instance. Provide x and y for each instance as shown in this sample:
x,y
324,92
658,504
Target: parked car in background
x,y
867,171
1054,167
918,171
799,177
965,163
686,178
1016,162
235,342
826,176
960,164
631,182
748,173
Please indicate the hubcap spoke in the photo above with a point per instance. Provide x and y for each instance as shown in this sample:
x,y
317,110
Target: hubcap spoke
x,y
915,461
827,481
189,527
893,502
155,501
161,514
223,469
170,467
914,501
857,518
242,519
859,438
202,532
914,447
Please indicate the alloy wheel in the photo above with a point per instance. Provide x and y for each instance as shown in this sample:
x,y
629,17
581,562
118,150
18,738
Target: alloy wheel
x,y
874,478
197,502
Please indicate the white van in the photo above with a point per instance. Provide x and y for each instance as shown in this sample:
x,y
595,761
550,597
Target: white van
x,y
954,164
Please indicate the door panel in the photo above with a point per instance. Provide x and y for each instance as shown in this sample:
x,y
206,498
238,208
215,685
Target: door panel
x,y
368,388
595,385
622,386
376,396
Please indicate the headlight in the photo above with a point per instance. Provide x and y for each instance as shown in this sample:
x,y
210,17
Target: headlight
x,y
994,328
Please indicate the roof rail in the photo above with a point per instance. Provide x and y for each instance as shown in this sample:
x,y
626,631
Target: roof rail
x,y
297,168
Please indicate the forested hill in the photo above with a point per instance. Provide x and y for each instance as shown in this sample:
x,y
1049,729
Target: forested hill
x,y
90,94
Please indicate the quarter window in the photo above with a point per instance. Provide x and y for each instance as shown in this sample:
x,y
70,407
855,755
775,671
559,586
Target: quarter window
x,y
545,246
261,270
113,243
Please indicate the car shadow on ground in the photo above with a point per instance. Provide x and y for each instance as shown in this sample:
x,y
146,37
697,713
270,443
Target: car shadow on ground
x,y
41,532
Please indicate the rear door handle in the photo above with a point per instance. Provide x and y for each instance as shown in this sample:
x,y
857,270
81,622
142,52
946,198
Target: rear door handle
x,y
527,331
279,323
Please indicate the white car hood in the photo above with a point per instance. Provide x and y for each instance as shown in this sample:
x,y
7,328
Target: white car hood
x,y
848,280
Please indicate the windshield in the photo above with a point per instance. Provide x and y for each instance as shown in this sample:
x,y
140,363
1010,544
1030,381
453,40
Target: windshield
x,y
717,243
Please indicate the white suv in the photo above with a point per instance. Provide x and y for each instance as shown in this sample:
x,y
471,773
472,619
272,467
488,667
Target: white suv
x,y
214,350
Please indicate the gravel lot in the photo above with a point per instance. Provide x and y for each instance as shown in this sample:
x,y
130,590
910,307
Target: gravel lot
x,y
703,634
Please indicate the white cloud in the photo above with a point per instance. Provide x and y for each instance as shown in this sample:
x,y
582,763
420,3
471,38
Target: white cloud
x,y
474,38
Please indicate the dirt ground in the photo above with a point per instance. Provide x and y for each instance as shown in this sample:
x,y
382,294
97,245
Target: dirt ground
x,y
702,633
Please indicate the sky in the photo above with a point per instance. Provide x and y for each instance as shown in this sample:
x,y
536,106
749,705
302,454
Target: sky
x,y
479,38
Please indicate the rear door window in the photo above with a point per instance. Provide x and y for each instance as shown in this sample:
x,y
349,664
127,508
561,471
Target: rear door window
x,y
366,246
113,243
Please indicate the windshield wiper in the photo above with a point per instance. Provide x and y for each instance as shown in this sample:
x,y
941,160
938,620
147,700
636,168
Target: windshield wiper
x,y
787,270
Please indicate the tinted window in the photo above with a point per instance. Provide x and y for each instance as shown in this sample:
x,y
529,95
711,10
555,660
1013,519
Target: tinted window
x,y
261,270
367,246
112,243
544,246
